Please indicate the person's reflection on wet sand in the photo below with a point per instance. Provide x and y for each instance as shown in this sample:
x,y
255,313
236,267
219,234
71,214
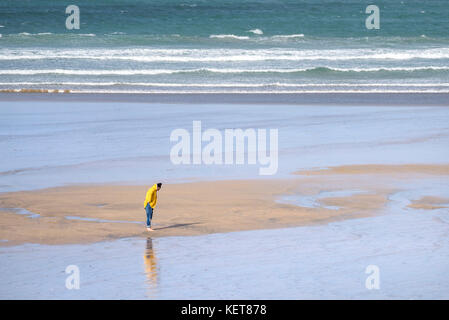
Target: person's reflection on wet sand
x,y
150,265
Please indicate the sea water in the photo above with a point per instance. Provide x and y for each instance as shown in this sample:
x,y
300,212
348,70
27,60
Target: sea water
x,y
225,46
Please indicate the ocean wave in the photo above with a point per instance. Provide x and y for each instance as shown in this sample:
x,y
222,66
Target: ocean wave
x,y
131,72
224,55
288,36
228,36
28,34
226,84
235,90
256,31
254,37
258,39
191,5
254,92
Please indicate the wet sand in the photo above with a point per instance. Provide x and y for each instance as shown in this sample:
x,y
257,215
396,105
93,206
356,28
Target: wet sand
x,y
321,99
51,144
434,169
91,213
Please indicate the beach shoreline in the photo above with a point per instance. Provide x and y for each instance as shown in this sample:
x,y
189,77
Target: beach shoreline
x,y
299,99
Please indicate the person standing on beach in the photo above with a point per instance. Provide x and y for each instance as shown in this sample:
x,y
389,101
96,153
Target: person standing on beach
x,y
150,203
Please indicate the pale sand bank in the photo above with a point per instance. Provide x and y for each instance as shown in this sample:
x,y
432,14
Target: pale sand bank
x,y
89,213
183,209
430,203
434,169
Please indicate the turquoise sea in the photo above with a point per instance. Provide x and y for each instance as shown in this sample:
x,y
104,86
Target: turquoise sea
x,y
225,46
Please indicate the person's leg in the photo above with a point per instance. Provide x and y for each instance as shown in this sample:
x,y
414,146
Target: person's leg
x,y
151,216
149,212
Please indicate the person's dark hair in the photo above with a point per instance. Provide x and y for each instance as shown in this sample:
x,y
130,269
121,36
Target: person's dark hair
x,y
159,185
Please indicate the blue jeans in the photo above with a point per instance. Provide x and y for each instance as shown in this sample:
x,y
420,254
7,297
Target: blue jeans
x,y
149,211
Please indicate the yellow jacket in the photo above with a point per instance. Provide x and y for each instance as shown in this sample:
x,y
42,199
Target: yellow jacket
x,y
151,197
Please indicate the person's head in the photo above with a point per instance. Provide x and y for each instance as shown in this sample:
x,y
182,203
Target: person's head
x,y
159,186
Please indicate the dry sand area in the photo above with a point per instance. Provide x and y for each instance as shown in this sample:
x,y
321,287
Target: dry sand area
x,y
89,213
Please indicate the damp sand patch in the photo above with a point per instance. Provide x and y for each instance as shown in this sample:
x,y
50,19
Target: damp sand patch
x,y
318,200
21,211
430,203
101,220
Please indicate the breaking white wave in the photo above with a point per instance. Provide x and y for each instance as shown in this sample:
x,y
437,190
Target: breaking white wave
x,y
228,36
288,36
223,55
256,31
130,72
227,84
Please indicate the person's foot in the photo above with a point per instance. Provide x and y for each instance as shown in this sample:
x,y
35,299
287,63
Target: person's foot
x,y
149,229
